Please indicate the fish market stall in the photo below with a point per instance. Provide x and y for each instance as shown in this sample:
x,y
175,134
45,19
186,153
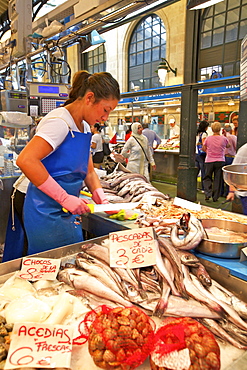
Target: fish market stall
x,y
166,161
63,295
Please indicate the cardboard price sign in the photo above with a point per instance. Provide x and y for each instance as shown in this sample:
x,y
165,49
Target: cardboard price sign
x,y
132,248
39,268
40,346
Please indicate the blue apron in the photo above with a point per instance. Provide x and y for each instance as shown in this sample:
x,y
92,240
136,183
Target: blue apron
x,y
47,226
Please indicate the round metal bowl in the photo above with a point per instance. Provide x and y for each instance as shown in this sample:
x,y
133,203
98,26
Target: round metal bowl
x,y
218,248
236,175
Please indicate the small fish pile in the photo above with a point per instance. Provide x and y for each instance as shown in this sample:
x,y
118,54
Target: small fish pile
x,y
178,285
125,186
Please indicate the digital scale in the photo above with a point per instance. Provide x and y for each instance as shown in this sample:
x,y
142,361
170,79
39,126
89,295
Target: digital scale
x,y
44,97
14,101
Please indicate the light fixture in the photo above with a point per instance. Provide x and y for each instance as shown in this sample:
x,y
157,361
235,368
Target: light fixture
x,y
95,40
231,102
163,68
165,110
201,4
178,110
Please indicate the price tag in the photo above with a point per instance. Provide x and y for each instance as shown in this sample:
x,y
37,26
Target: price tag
x,y
243,254
40,346
39,268
132,248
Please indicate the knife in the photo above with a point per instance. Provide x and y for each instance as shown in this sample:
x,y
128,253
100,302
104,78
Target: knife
x,y
95,208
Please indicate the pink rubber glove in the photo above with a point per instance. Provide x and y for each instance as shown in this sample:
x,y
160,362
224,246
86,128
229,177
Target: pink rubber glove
x,y
99,197
73,204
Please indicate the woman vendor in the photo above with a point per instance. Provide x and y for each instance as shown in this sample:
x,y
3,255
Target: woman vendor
x,y
57,161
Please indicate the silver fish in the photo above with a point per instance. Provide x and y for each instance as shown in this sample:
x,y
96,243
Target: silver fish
x,y
201,273
99,272
232,314
187,258
178,306
197,293
194,233
220,332
79,279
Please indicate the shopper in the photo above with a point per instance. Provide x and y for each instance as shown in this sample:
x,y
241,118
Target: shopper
x,y
214,146
229,154
57,161
137,151
240,158
153,139
97,145
235,123
201,136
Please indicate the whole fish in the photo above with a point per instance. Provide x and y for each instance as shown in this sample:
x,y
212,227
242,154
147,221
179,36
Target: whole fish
x,y
162,270
178,306
163,301
239,334
201,273
98,271
167,250
187,258
228,297
193,230
197,293
232,314
129,176
221,333
79,279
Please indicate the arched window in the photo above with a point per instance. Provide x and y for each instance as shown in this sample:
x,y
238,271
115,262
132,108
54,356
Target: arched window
x,y
223,28
95,60
147,47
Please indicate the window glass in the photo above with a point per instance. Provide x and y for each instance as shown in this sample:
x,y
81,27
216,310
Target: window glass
x,y
242,29
219,20
233,4
147,47
95,60
218,36
208,24
231,33
232,16
223,23
228,70
206,39
220,7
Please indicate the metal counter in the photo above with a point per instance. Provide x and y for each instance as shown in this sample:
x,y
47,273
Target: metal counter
x,y
166,164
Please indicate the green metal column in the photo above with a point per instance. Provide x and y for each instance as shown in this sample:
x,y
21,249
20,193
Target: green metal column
x,y
187,179
187,172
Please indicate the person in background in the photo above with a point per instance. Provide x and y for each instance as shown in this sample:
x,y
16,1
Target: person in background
x,y
229,154
235,123
137,151
216,74
151,136
201,135
127,134
240,158
97,145
174,130
57,160
214,146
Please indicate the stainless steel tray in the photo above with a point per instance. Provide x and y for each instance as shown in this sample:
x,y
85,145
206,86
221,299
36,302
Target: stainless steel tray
x,y
218,248
236,175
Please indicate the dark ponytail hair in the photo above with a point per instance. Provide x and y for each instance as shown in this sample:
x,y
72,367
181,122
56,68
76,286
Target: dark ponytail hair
x,y
97,125
102,84
202,127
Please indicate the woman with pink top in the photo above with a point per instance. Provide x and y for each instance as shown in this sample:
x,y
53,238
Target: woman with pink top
x,y
214,146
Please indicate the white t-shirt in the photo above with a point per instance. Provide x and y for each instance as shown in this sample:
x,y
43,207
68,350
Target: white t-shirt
x,y
174,131
55,126
98,140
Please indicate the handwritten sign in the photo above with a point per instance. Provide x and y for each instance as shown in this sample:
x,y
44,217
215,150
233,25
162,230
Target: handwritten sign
x,y
40,346
39,268
132,248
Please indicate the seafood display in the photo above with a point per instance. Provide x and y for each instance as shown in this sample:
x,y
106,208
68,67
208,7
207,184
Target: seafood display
x,y
119,338
177,286
125,186
190,337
